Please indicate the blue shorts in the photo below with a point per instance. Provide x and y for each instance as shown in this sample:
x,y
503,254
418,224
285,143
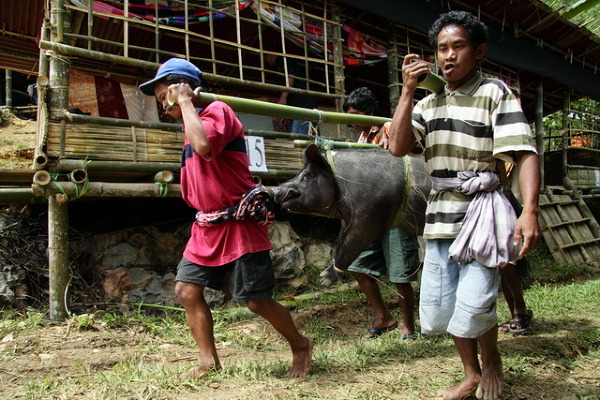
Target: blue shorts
x,y
395,253
250,277
456,298
298,126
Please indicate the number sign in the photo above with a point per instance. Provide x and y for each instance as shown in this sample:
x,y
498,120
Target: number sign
x,y
255,146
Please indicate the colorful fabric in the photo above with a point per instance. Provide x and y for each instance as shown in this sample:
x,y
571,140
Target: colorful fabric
x,y
376,135
218,181
361,48
468,129
256,204
105,97
170,12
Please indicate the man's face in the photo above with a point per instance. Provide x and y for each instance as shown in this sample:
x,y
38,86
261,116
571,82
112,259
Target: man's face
x,y
457,56
358,128
160,91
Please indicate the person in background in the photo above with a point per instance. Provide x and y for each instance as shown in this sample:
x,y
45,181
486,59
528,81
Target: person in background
x,y
296,79
395,254
228,244
471,230
32,92
512,289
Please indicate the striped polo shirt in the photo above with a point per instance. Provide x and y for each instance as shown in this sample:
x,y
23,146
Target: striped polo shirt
x,y
468,129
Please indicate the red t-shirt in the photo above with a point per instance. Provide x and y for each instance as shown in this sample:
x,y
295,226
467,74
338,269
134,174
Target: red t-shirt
x,y
216,181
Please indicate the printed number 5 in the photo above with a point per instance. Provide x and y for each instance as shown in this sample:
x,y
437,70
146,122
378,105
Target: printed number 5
x,y
256,153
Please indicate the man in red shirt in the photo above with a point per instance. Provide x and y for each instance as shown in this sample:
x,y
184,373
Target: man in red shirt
x,y
223,246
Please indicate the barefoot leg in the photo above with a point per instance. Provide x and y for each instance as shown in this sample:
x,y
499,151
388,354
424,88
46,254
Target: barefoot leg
x,y
467,349
491,386
200,322
281,319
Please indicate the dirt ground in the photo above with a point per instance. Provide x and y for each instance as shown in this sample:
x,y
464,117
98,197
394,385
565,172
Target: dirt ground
x,y
61,351
17,141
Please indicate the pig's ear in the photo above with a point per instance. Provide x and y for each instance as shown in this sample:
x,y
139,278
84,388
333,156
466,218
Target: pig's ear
x,y
314,158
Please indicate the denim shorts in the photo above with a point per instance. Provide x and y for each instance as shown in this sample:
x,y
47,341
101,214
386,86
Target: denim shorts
x,y
250,277
456,298
395,253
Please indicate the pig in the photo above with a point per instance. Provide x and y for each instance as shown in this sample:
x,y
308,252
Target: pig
x,y
367,189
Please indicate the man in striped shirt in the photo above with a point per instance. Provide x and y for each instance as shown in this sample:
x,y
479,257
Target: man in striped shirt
x,y
463,132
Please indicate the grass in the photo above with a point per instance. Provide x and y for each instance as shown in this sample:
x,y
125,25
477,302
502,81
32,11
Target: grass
x,y
558,359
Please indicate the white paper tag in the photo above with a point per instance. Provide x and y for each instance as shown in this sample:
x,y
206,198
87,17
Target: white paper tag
x,y
255,146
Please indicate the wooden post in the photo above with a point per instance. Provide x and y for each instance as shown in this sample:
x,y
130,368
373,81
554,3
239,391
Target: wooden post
x,y
58,256
338,60
393,81
8,75
58,216
539,124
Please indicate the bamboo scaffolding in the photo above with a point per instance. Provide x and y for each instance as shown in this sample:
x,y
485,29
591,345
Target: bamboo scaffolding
x,y
210,39
144,65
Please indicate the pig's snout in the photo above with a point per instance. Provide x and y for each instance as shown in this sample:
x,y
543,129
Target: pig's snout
x,y
285,194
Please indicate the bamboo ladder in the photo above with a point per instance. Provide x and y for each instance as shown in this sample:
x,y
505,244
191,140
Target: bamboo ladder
x,y
568,226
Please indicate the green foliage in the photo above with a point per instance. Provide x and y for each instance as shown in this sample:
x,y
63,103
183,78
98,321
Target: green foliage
x,y
15,321
588,18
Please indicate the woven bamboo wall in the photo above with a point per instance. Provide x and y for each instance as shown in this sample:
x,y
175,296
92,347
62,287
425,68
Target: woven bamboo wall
x,y
111,143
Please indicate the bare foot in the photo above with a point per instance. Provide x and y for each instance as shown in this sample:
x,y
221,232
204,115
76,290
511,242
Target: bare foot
x,y
301,360
200,371
491,386
457,392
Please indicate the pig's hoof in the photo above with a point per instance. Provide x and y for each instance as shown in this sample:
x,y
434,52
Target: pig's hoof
x,y
329,276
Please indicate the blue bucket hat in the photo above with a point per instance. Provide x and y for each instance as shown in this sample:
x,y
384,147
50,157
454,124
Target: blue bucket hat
x,y
177,66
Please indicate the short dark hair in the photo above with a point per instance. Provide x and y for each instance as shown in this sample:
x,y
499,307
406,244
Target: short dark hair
x,y
476,30
362,99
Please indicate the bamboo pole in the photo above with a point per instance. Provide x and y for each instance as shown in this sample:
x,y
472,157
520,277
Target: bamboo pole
x,y
90,25
240,104
211,27
63,165
9,196
539,124
8,87
58,211
238,37
42,178
59,11
126,30
91,119
164,177
337,145
393,79
107,189
58,256
338,57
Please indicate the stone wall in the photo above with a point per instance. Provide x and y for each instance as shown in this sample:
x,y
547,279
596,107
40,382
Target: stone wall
x,y
131,265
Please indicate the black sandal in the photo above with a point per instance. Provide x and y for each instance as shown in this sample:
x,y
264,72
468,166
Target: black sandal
x,y
520,322
504,327
376,332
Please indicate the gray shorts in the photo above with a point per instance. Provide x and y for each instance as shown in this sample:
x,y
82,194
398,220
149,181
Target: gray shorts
x,y
250,277
395,253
